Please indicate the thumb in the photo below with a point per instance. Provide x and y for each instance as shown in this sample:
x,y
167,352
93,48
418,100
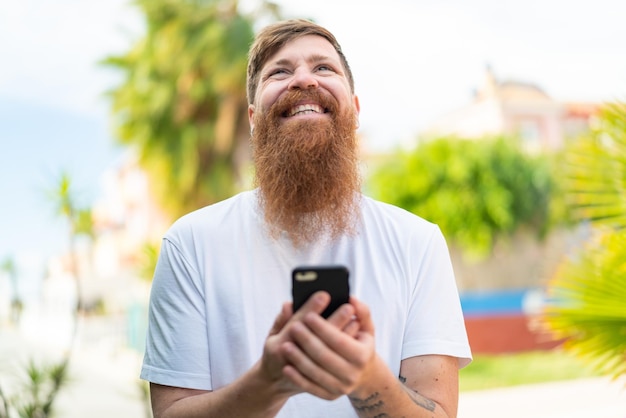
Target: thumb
x,y
363,315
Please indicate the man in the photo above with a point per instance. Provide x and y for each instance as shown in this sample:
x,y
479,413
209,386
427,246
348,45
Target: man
x,y
215,346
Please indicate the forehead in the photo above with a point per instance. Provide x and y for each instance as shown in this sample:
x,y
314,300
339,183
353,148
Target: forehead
x,y
307,47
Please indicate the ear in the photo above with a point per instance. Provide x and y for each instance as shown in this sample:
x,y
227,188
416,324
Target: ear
x,y
357,105
251,116
357,108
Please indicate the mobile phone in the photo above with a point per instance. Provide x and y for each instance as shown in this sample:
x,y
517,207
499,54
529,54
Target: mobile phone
x,y
307,280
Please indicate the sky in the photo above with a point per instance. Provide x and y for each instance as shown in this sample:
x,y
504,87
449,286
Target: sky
x,y
413,60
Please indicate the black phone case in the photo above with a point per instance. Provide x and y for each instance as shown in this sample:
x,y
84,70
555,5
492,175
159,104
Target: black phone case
x,y
307,280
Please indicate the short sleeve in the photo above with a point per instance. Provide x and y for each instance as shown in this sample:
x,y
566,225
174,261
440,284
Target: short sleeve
x,y
435,323
176,343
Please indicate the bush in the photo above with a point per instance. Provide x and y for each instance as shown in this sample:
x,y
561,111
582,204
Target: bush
x,y
475,190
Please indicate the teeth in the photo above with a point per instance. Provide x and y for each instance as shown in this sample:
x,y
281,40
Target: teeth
x,y
306,109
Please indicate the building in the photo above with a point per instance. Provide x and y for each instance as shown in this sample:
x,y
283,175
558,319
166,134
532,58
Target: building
x,y
519,109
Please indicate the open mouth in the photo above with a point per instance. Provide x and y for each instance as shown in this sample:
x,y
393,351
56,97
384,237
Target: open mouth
x,y
305,109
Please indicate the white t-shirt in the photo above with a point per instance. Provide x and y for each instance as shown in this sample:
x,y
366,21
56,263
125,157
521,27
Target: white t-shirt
x,y
220,282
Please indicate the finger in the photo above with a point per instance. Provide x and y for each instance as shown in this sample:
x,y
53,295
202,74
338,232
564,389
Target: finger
x,y
356,350
342,316
329,336
318,361
316,303
352,328
304,384
307,373
363,315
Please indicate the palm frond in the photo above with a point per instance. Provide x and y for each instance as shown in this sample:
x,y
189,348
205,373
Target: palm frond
x,y
587,303
587,296
595,170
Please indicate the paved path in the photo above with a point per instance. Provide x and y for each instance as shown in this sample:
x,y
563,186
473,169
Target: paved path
x,y
105,384
580,398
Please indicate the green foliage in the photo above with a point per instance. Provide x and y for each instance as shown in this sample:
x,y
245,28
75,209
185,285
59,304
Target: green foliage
x,y
587,303
84,222
182,104
587,306
474,190
63,196
595,170
8,266
35,398
79,220
147,260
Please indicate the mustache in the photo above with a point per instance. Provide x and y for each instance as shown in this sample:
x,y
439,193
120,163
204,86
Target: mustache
x,y
291,98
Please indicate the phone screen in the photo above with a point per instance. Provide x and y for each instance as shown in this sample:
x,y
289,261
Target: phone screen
x,y
307,280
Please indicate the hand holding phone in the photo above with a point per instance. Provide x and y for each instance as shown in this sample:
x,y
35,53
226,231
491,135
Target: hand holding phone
x,y
307,280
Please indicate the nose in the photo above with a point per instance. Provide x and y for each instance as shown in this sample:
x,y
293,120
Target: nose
x,y
303,79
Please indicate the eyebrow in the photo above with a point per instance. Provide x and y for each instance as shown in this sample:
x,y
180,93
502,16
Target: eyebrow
x,y
315,58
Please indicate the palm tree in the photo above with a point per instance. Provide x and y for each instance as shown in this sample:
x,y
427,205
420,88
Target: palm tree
x,y
587,306
36,397
79,221
182,105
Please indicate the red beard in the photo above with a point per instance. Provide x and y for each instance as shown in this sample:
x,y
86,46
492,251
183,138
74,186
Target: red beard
x,y
307,170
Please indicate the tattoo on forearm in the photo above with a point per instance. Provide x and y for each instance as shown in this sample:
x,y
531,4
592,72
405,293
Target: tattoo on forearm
x,y
369,405
420,400
374,406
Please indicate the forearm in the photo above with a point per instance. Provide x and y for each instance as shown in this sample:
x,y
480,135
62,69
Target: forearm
x,y
249,396
385,396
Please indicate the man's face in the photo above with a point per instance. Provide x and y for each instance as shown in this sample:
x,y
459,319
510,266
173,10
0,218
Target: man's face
x,y
308,62
304,143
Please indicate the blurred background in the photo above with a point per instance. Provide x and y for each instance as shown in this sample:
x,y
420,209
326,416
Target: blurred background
x,y
502,121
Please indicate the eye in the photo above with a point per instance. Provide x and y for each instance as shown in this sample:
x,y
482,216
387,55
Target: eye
x,y
277,72
324,67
